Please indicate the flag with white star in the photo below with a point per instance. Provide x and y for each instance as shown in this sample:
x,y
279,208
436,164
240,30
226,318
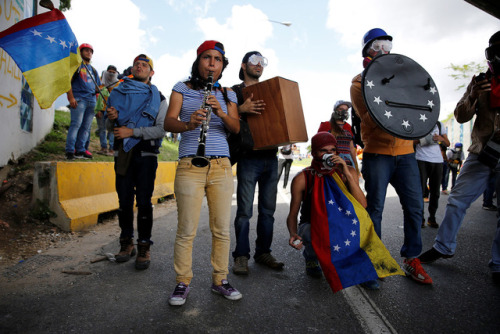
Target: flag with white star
x,y
46,51
343,237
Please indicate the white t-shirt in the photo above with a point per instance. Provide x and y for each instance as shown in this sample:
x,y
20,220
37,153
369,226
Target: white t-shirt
x,y
428,150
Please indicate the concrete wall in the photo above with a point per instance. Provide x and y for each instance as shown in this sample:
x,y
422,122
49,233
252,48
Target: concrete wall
x,y
77,192
16,141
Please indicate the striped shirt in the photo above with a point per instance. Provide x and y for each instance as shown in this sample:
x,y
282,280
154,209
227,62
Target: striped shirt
x,y
344,146
216,142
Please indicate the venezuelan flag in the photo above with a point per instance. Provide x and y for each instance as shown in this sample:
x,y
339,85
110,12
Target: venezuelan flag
x,y
343,237
46,50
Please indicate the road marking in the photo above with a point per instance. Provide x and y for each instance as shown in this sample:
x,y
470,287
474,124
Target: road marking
x,y
368,314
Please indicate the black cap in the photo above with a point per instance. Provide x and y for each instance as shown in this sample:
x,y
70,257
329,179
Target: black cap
x,y
245,60
112,67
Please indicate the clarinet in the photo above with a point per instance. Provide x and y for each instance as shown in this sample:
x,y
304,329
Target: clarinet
x,y
200,160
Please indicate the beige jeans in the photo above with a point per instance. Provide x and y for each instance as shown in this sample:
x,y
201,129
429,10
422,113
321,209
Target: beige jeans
x,y
191,185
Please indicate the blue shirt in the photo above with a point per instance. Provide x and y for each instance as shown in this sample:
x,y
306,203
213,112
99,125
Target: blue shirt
x,y
82,86
216,141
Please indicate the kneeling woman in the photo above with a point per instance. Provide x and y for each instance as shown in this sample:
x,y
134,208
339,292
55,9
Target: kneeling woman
x,y
215,180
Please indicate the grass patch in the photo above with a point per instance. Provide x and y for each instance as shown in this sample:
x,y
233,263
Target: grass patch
x,y
302,163
53,146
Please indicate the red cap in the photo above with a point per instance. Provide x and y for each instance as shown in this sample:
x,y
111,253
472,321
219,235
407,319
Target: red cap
x,y
210,45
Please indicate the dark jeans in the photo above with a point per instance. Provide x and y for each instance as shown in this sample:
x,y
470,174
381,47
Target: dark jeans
x,y
284,164
446,176
433,172
250,172
454,173
489,191
139,181
402,173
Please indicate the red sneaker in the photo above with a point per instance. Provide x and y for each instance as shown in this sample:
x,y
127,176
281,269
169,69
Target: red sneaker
x,y
414,269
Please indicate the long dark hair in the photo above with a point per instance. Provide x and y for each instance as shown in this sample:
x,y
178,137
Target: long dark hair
x,y
197,82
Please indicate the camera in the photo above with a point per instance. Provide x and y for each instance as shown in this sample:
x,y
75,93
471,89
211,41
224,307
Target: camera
x,y
327,161
490,154
482,76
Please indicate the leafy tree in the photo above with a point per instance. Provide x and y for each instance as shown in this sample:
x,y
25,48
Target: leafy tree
x,y
464,73
64,5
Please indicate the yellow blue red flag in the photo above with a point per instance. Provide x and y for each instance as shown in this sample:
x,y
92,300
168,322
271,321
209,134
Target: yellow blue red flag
x,y
343,238
46,51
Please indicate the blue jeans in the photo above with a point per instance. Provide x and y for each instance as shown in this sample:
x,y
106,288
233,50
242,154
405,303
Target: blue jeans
x,y
139,181
250,172
305,233
79,128
471,183
105,135
402,173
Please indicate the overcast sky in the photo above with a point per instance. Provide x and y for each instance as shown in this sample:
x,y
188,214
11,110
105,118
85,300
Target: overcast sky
x,y
321,50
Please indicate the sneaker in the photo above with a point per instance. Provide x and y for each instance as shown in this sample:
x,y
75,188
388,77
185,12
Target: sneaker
x,y
83,155
432,255
313,269
268,260
432,222
445,192
490,207
227,290
426,199
178,297
240,266
143,259
70,156
414,269
110,153
371,285
127,250
103,151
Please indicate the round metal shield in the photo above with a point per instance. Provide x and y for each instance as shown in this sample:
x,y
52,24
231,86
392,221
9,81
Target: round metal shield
x,y
401,96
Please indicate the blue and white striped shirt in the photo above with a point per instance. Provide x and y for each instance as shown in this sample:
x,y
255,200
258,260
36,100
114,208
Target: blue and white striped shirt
x,y
216,143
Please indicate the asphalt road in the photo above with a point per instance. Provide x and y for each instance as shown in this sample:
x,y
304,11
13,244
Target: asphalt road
x,y
36,297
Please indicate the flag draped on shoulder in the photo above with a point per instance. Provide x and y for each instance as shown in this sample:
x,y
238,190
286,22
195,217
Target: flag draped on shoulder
x,y
343,237
46,51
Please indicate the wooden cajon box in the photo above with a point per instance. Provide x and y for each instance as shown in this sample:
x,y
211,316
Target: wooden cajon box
x,y
282,121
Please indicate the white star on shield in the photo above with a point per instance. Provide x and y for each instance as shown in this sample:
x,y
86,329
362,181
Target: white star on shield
x,y
433,90
423,118
388,114
377,100
430,103
405,123
370,83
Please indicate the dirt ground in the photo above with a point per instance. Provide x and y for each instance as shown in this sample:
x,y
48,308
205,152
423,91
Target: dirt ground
x,y
25,227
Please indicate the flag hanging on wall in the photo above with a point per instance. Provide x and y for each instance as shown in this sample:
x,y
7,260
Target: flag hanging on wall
x,y
46,51
343,238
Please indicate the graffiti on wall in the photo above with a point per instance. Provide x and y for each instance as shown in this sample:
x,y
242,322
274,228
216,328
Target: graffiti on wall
x,y
11,12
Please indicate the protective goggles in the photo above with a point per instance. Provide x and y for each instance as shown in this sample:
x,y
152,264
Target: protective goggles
x,y
381,44
256,59
492,52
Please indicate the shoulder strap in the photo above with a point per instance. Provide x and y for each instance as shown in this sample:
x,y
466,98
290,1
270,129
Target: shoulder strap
x,y
439,127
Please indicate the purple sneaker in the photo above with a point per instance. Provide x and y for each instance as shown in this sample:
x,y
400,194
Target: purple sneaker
x,y
178,297
227,290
